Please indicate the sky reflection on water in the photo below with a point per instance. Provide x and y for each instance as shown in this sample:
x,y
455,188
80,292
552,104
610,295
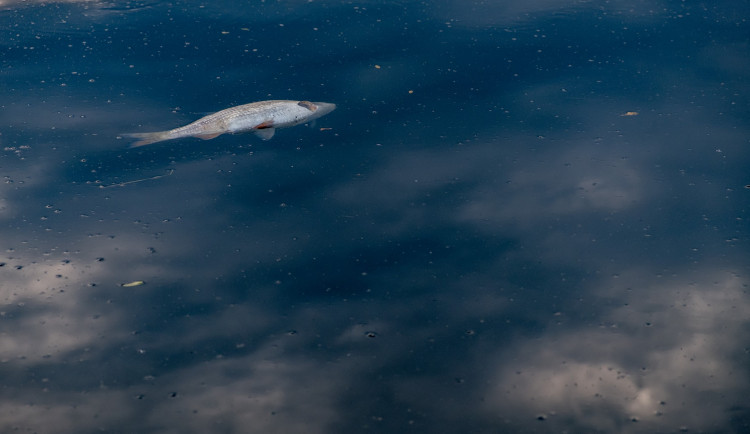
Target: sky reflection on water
x,y
519,219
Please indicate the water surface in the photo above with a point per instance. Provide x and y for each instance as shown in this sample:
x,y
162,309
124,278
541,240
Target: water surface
x,y
520,218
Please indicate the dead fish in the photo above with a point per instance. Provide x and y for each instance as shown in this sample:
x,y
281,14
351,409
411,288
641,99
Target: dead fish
x,y
262,118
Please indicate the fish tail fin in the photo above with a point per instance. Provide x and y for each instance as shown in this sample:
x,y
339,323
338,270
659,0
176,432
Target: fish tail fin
x,y
143,139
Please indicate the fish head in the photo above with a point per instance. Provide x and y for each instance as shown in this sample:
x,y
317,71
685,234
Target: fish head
x,y
324,108
291,113
317,109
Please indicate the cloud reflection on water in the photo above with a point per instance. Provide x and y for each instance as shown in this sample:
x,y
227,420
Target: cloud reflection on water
x,y
429,267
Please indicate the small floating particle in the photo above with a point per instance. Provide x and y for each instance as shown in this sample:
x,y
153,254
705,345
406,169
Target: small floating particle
x,y
630,114
133,283
325,128
377,66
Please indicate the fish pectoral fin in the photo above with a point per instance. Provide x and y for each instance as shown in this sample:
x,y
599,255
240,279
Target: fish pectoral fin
x,y
265,133
207,136
263,125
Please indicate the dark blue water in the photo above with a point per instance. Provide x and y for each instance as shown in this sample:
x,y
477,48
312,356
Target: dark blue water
x,y
522,217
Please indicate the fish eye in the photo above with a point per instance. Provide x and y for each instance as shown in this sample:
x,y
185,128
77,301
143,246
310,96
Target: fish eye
x,y
308,105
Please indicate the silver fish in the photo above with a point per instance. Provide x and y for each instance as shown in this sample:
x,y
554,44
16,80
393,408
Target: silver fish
x,y
262,118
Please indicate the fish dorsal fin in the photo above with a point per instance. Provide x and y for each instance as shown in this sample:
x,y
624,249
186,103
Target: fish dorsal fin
x,y
265,133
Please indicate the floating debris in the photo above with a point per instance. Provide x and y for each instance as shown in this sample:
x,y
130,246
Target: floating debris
x,y
122,184
133,283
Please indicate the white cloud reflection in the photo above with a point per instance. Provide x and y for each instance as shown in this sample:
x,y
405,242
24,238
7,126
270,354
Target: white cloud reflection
x,y
654,363
648,357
